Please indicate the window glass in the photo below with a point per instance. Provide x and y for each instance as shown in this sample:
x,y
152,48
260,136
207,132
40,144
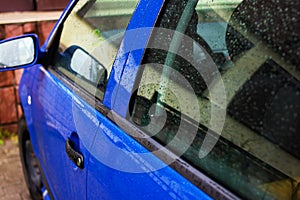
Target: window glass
x,y
254,47
90,39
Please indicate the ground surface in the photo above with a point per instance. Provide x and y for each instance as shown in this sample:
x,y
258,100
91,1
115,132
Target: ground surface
x,y
12,183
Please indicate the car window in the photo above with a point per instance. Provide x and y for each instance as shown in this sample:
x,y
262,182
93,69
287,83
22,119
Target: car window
x,y
90,39
251,49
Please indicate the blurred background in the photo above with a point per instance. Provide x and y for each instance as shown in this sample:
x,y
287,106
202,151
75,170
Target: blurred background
x,y
20,17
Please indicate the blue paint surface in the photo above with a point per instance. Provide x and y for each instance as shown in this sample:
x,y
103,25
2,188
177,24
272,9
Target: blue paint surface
x,y
55,113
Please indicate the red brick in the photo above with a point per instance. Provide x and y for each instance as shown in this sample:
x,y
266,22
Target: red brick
x,y
8,112
18,75
51,5
6,78
20,112
12,128
29,28
44,29
2,32
17,94
13,30
16,5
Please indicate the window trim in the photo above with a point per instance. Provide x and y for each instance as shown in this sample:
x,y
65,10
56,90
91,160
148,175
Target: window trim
x,y
200,180
77,89
151,144
196,177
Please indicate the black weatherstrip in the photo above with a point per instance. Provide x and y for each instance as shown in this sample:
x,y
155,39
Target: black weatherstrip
x,y
199,179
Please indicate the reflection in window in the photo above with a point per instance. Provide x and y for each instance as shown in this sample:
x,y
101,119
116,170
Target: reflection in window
x,y
255,45
86,55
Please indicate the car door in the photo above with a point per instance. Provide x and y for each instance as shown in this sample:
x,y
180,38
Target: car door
x,y
122,164
59,121
194,113
79,76
63,99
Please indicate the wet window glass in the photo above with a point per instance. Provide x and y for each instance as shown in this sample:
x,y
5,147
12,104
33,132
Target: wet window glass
x,y
230,69
90,40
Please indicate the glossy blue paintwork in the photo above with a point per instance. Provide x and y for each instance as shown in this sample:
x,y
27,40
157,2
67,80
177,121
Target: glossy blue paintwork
x,y
143,31
105,182
113,164
144,16
55,113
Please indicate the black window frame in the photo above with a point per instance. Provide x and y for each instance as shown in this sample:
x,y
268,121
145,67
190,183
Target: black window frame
x,y
221,142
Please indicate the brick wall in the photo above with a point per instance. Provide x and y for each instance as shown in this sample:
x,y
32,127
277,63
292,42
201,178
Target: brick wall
x,y
10,110
30,5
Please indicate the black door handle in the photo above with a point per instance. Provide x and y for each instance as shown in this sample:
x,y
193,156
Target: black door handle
x,y
76,157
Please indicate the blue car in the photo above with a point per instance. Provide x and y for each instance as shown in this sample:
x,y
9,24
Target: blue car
x,y
162,99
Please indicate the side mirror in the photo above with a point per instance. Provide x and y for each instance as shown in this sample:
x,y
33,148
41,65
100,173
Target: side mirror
x,y
19,52
88,67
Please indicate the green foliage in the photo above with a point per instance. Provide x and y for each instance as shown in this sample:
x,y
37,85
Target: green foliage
x,y
5,134
98,33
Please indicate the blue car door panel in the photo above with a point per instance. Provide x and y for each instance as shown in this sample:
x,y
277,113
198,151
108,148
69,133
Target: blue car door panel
x,y
60,116
121,168
162,99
